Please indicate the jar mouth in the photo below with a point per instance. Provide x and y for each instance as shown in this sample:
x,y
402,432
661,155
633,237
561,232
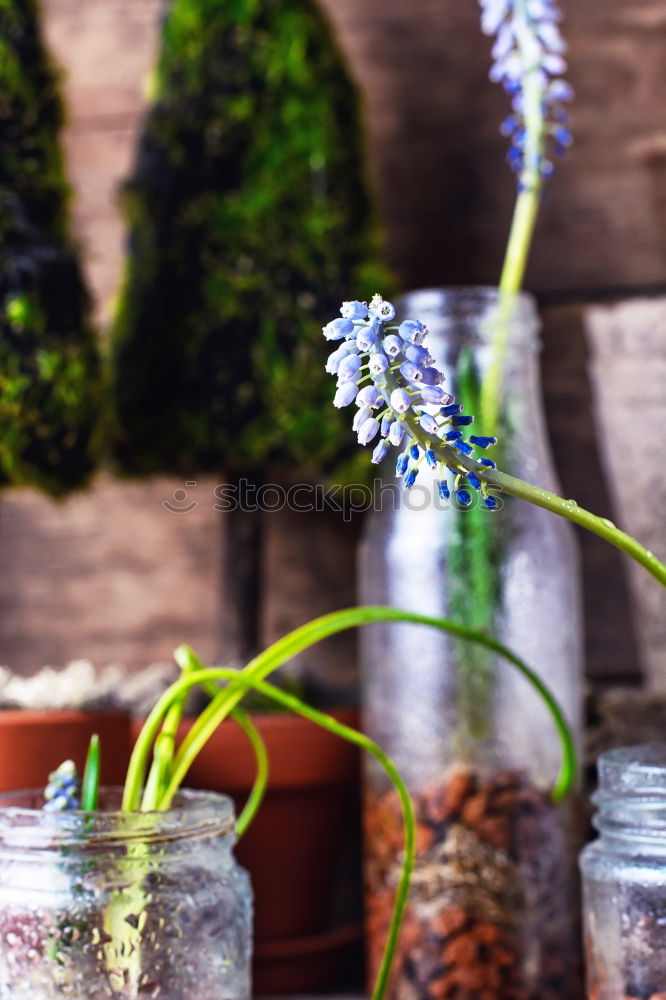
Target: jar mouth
x,y
448,309
194,814
634,771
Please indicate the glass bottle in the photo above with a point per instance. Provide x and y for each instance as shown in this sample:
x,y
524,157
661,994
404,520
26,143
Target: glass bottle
x,y
493,899
122,905
624,878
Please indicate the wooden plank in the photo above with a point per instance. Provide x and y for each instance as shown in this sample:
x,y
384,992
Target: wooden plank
x,y
438,160
109,575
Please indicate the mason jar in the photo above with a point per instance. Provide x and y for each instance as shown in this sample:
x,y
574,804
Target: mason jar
x,y
624,878
122,905
494,897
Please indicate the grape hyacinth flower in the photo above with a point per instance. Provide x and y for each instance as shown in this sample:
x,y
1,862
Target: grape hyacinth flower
x,y
528,60
63,789
400,402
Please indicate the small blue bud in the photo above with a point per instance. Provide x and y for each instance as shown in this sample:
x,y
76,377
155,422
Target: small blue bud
x,y
400,401
368,430
412,330
368,396
410,478
401,464
354,310
488,462
419,355
366,338
385,425
378,363
490,503
380,452
349,368
361,416
345,395
443,488
463,447
462,421
453,436
431,458
431,376
411,372
392,345
396,433
428,423
482,441
414,451
337,329
451,409
474,481
464,498
433,394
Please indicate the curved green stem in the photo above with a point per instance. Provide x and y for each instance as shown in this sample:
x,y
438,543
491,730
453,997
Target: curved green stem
x,y
256,796
543,498
292,644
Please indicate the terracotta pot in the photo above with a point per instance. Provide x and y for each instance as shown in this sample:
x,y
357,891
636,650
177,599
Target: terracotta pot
x,y
293,847
34,743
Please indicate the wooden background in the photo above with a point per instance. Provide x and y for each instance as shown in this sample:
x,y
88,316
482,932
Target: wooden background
x,y
113,574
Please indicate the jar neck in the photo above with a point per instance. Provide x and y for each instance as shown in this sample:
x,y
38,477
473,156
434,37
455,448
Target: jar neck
x,y
631,800
30,832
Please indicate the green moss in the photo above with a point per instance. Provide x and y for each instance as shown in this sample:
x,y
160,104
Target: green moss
x,y
49,366
249,223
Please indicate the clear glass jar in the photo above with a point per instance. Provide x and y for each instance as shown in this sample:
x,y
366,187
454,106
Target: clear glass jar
x,y
123,905
624,878
494,898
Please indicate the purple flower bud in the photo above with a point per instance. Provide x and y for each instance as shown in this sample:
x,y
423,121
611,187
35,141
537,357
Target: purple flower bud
x,y
414,451
428,423
487,462
411,372
401,464
335,359
378,363
384,311
410,478
368,430
450,409
453,436
400,401
412,330
349,368
481,441
433,394
443,490
380,452
490,503
368,396
474,481
396,433
392,345
337,329
385,425
361,416
419,355
354,310
366,338
431,458
431,376
462,421
345,395
463,497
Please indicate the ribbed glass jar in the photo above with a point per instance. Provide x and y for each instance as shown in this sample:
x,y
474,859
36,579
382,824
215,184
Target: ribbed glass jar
x,y
624,878
494,899
122,905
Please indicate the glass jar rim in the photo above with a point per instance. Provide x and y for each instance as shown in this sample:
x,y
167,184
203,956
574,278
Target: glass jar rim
x,y
448,310
24,823
633,770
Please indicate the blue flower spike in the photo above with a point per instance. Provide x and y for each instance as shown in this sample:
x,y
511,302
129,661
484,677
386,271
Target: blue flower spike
x,y
386,370
528,60
62,793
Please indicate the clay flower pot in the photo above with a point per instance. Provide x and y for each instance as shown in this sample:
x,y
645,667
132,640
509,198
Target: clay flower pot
x,y
33,743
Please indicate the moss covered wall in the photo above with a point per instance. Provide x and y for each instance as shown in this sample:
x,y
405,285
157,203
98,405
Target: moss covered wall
x,y
249,222
50,383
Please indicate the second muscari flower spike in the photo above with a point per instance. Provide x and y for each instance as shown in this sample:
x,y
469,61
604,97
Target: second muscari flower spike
x,y
389,374
528,60
62,793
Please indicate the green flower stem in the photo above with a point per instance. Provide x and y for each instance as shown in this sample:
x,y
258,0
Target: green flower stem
x,y
543,498
289,646
327,722
525,214
90,783
258,791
